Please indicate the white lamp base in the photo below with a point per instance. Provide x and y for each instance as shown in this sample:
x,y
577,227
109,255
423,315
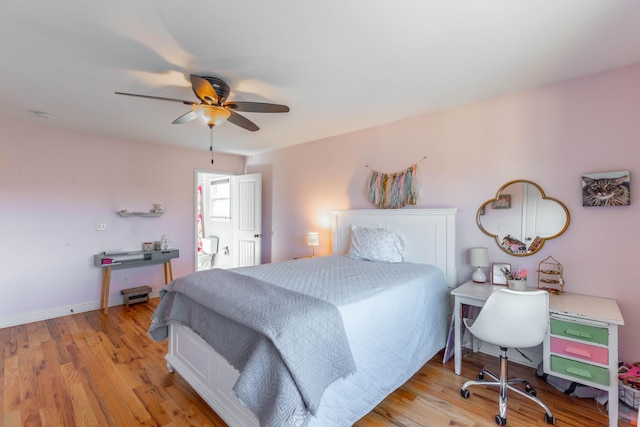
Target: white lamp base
x,y
478,276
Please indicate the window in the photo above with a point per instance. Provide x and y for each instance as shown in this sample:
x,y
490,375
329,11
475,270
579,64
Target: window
x,y
219,200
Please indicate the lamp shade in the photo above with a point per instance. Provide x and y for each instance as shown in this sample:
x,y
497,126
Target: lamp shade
x,y
479,257
312,239
212,115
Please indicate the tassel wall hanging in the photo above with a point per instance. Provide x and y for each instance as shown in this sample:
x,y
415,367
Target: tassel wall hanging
x,y
394,190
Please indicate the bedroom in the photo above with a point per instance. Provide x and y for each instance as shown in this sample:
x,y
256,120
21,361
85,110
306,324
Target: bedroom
x,y
58,183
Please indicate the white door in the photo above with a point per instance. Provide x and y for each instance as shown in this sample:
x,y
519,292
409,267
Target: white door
x,y
541,217
246,217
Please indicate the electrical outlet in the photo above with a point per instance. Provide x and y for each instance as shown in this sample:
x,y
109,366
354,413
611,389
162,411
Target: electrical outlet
x,y
125,280
101,226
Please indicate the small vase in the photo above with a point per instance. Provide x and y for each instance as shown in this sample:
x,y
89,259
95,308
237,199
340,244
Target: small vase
x,y
517,285
164,243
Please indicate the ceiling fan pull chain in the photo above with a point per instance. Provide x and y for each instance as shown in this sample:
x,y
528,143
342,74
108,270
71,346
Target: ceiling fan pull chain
x,y
211,142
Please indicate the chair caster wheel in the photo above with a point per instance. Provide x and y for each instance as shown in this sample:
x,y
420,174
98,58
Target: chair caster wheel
x,y
530,391
500,421
465,393
549,419
480,376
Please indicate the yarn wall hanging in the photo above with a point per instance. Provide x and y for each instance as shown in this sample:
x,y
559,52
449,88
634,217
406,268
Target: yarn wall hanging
x,y
394,190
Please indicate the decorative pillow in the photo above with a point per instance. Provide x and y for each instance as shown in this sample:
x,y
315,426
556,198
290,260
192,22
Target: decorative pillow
x,y
376,244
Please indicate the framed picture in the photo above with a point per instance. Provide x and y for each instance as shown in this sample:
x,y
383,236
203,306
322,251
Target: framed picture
x,y
497,273
606,189
503,202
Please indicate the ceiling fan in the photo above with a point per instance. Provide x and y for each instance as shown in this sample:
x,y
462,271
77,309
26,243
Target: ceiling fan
x,y
213,108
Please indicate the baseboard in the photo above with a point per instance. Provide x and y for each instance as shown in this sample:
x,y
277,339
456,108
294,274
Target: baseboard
x,y
37,316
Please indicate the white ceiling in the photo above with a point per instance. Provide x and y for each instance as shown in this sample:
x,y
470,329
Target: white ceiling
x,y
340,65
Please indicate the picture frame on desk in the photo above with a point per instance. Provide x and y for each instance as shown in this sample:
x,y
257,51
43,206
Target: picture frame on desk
x,y
497,273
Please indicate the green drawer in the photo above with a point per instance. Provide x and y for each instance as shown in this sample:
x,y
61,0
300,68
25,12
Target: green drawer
x,y
579,370
580,332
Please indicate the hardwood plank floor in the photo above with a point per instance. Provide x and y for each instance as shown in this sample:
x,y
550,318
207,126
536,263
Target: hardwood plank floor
x,y
91,369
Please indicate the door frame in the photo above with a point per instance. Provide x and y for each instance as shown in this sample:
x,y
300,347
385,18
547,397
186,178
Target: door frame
x,y
196,176
236,199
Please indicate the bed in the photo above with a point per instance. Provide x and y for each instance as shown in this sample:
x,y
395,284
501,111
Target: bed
x,y
376,346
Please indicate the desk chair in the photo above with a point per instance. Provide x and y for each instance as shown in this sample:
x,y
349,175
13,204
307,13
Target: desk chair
x,y
510,319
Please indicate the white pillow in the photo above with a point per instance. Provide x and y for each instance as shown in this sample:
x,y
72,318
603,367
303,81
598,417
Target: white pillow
x,y
376,244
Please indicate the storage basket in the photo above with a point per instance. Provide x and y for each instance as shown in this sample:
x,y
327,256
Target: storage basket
x,y
629,374
629,395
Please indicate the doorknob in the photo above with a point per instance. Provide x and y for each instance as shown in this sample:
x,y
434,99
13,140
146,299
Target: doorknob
x,y
258,236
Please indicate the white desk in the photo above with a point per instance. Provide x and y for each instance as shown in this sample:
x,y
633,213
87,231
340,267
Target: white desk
x,y
580,310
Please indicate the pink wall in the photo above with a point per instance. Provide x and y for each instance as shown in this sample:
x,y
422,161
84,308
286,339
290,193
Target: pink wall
x,y
56,185
550,135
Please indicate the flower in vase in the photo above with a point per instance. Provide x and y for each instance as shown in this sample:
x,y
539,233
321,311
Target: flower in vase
x,y
520,274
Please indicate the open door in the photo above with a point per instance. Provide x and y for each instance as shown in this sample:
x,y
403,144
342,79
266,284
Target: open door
x,y
246,214
229,214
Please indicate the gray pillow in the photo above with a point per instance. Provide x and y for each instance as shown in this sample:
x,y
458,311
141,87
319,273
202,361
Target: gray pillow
x,y
376,244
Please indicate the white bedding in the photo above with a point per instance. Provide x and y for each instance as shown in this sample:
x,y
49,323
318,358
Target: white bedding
x,y
288,346
392,333
339,279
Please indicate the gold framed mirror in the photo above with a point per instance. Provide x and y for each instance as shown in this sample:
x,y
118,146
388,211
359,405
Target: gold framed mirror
x,y
521,218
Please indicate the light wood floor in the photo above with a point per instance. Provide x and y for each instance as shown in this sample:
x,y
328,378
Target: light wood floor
x,y
89,369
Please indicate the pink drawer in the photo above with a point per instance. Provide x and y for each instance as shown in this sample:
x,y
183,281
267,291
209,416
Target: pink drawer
x,y
579,350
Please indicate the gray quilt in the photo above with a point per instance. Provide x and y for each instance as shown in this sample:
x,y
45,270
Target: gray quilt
x,y
288,346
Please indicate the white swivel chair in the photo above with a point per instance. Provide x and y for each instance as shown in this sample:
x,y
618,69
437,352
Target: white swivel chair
x,y
510,319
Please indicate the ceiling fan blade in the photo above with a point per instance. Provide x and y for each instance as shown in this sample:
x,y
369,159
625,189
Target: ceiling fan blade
x,y
256,107
242,121
156,97
203,90
186,117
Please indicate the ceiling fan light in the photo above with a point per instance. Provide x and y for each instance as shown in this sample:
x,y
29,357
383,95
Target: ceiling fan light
x,y
211,115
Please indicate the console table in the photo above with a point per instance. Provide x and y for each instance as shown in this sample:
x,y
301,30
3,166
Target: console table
x,y
581,343
117,260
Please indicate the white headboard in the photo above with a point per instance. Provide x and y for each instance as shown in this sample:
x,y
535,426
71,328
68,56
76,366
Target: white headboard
x,y
429,234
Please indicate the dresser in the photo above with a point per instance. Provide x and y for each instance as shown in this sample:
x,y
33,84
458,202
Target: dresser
x,y
581,344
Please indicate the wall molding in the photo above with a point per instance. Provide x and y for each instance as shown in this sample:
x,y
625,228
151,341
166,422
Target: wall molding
x,y
38,316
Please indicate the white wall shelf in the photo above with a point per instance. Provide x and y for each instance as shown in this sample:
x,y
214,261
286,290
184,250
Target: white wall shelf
x,y
121,213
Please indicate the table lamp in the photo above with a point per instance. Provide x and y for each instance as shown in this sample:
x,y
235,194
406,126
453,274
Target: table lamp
x,y
479,259
312,240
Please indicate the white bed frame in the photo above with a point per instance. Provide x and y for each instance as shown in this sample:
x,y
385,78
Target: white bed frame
x,y
429,236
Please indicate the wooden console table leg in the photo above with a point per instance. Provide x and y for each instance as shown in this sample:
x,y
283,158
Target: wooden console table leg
x,y
106,284
168,272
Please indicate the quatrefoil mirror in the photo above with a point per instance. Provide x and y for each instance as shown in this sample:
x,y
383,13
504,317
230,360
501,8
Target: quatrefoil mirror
x,y
521,218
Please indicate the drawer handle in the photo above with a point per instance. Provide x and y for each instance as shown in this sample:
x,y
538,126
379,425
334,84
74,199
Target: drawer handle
x,y
578,352
576,333
580,372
